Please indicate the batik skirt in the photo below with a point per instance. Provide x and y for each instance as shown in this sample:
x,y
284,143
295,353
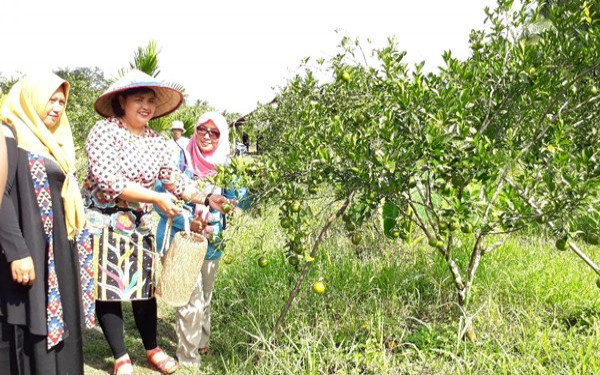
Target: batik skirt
x,y
125,255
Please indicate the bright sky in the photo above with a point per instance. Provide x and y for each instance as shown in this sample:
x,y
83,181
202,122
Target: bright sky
x,y
233,54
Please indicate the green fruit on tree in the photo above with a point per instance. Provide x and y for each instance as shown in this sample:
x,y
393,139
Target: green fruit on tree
x,y
319,287
294,260
263,261
285,223
594,90
447,189
562,244
312,190
395,233
299,249
439,244
432,241
356,239
227,207
295,206
467,228
540,219
228,259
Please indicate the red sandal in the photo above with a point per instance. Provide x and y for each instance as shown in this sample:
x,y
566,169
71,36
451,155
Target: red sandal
x,y
167,366
120,363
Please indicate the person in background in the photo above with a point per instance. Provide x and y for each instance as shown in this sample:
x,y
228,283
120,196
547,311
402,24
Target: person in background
x,y
126,158
208,148
178,143
40,215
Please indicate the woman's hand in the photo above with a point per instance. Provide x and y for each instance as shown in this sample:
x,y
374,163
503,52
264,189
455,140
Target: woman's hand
x,y
166,203
22,271
216,202
198,224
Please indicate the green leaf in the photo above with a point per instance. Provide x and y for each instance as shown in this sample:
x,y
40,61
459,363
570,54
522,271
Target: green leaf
x,y
390,214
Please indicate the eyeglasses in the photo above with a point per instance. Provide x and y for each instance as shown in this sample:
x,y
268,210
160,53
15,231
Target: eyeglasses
x,y
214,134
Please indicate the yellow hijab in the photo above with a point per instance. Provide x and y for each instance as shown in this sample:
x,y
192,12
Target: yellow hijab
x,y
24,107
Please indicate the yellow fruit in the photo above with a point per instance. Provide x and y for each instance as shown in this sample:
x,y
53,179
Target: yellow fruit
x,y
319,287
346,76
228,259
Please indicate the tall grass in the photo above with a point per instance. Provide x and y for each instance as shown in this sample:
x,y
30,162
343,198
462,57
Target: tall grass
x,y
388,309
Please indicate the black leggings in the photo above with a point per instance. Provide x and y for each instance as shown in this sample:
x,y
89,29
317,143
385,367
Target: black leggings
x,y
110,317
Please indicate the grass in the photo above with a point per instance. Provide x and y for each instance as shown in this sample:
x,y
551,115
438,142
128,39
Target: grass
x,y
388,309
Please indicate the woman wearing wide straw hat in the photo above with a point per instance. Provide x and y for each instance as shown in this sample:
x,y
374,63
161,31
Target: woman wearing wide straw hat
x,y
40,216
126,158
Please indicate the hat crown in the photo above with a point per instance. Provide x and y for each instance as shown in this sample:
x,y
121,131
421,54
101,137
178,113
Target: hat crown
x,y
177,124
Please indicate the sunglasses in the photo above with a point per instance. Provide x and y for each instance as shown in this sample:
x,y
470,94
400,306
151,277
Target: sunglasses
x,y
214,134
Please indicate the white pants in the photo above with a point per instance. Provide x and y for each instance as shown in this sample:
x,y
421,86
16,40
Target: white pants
x,y
193,319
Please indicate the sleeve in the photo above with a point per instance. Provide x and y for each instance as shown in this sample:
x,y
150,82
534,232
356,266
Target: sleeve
x,y
178,224
11,237
103,159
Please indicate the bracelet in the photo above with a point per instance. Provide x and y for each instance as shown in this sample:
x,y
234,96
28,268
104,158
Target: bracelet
x,y
206,201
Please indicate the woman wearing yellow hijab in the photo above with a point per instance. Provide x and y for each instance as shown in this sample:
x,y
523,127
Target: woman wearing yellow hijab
x,y
40,215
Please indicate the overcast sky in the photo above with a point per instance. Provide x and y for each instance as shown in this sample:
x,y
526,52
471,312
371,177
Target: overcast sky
x,y
232,54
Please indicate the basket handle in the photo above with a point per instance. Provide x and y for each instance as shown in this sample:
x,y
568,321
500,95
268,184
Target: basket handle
x,y
169,226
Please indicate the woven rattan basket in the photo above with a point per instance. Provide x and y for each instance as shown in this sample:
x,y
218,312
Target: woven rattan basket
x,y
181,267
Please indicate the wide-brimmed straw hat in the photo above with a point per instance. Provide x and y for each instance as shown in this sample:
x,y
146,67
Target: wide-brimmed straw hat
x,y
168,99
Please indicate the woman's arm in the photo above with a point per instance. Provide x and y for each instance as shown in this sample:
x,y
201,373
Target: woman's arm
x,y
164,201
11,237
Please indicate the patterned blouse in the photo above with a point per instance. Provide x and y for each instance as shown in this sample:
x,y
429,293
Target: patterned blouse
x,y
117,157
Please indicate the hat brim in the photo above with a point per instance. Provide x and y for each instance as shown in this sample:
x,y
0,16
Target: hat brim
x,y
168,98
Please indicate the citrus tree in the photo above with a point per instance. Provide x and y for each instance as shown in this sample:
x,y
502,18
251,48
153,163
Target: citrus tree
x,y
462,157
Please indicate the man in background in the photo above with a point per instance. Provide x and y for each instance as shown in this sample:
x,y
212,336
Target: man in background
x,y
179,142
